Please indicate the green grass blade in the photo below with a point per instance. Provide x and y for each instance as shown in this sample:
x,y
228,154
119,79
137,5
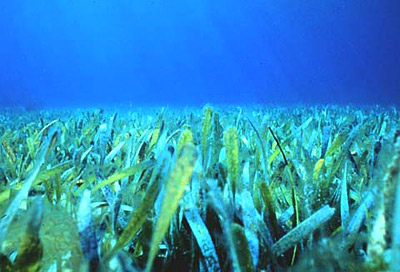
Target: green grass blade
x,y
203,239
242,250
124,173
180,176
113,153
205,133
139,215
344,201
231,144
304,229
87,232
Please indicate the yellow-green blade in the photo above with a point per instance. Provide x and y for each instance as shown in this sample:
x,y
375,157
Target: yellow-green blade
x,y
180,176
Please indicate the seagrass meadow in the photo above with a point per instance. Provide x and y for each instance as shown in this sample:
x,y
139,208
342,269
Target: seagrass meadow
x,y
200,189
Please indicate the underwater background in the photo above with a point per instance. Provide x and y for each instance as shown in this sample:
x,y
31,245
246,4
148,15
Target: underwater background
x,y
99,52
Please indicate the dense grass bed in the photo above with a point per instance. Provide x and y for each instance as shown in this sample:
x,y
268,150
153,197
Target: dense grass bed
x,y
200,189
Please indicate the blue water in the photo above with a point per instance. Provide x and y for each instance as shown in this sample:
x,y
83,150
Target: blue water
x,y
102,52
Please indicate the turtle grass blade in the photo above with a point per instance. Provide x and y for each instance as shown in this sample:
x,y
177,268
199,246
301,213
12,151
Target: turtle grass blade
x,y
231,144
337,143
242,250
114,204
58,169
317,169
286,215
205,133
44,129
270,207
263,151
23,193
251,220
9,152
326,131
139,215
296,218
113,153
123,174
87,232
302,230
203,239
47,174
358,218
340,152
344,201
279,145
186,137
102,141
180,176
217,201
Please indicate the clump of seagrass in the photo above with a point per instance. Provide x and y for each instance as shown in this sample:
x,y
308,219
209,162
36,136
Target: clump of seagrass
x,y
200,189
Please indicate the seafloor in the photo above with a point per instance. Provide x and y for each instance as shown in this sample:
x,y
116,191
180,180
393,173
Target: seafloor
x,y
200,189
